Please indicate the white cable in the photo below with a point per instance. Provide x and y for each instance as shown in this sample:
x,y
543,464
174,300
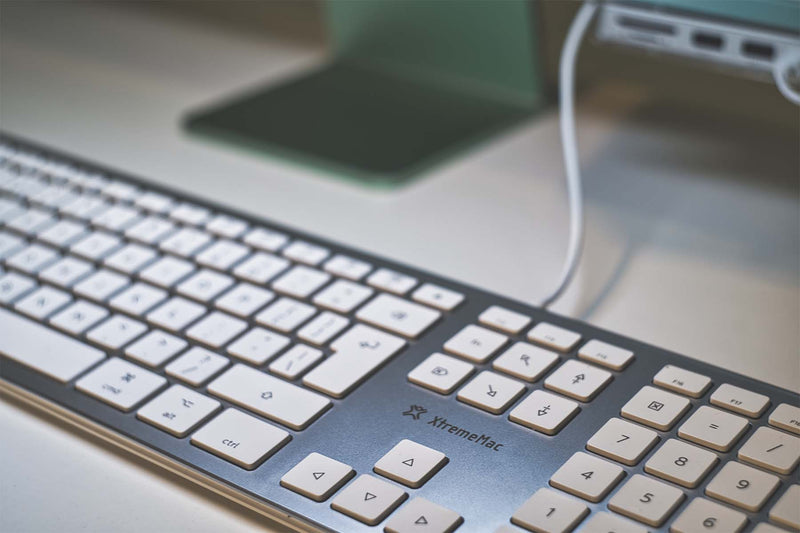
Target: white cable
x,y
566,94
788,65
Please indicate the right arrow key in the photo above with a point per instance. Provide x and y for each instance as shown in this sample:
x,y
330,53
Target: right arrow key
x,y
410,463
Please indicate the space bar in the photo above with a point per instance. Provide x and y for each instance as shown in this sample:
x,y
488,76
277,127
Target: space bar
x,y
44,349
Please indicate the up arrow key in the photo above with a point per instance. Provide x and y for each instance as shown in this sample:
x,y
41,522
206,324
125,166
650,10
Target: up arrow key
x,y
421,521
318,475
409,462
369,496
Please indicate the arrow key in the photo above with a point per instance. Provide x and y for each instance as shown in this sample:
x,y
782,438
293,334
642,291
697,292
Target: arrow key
x,y
421,515
317,477
544,412
410,463
368,499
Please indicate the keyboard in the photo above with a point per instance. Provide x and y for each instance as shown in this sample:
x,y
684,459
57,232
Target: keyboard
x,y
333,390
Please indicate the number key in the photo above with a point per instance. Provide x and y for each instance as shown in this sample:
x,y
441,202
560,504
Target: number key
x,y
622,441
681,463
742,486
587,477
646,500
549,512
705,515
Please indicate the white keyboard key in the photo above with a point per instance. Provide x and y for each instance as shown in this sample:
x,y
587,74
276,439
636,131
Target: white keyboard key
x,y
578,380
154,202
101,285
258,346
260,267
525,361
175,314
682,381
646,500
606,355
42,302
703,515
504,319
398,315
150,230
32,221
244,299
441,373
622,441
78,317
226,226
547,511
196,366
742,486
239,438
359,353
368,499
137,299
155,348
437,297
772,450
786,417
713,428
491,392
347,267
544,412
285,315
54,196
190,214
216,329
205,285
10,209
33,258
317,477
96,245
295,361
410,463
300,281
609,523
475,343
66,272
655,408
54,354
786,512
740,400
116,218
587,477
167,271
265,239
422,515
13,286
10,244
323,328
62,233
120,191
178,410
120,384
222,254
116,332
764,527
342,296
554,337
130,258
681,463
84,207
268,396
185,242
304,252
391,281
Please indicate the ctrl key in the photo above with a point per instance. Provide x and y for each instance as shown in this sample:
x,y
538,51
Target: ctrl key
x,y
549,512
239,438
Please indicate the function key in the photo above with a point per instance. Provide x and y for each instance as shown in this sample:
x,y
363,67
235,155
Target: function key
x,y
422,515
655,408
391,281
544,412
682,381
475,343
265,239
440,373
190,214
368,499
554,337
646,500
771,449
154,202
548,511
742,486
786,417
604,354
410,463
740,400
120,191
438,297
347,267
317,477
504,319
226,226
305,252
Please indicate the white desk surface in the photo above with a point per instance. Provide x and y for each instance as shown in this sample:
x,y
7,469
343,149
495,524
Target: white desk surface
x,y
693,241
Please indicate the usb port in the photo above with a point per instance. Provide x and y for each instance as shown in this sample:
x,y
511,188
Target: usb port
x,y
758,50
707,41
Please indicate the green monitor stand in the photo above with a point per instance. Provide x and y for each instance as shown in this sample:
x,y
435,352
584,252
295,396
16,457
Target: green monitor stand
x,y
410,83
